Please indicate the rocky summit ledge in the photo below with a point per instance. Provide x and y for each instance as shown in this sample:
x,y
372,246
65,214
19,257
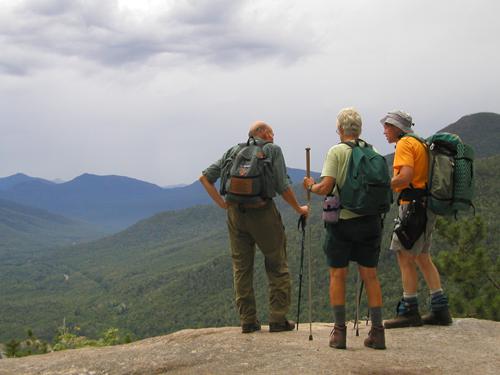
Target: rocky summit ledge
x,y
469,346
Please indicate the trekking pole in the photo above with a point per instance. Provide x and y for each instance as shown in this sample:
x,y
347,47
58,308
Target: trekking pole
x,y
358,302
308,174
301,226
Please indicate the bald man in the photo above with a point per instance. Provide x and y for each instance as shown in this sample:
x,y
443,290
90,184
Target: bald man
x,y
258,223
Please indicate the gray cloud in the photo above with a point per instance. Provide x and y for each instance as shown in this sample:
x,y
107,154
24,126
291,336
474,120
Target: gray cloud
x,y
48,7
120,87
219,32
12,69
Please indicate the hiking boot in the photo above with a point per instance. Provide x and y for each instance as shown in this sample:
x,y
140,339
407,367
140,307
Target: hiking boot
x,y
287,325
407,316
338,337
439,318
410,319
250,327
376,338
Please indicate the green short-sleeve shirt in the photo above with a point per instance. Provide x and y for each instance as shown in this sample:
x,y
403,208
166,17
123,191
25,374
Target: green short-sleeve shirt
x,y
281,180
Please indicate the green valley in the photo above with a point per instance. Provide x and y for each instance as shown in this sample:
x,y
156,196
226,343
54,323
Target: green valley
x,y
173,271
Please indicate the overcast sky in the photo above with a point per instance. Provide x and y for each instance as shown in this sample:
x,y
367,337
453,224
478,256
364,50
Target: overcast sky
x,y
157,90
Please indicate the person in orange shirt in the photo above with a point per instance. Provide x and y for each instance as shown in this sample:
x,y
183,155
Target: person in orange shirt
x,y
410,176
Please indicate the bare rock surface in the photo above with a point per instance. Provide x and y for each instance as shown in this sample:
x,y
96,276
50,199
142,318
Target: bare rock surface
x,y
469,346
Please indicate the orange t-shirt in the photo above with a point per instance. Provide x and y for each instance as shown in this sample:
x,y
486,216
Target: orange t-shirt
x,y
411,152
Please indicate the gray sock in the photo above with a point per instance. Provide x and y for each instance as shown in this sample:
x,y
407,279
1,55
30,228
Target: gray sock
x,y
376,316
339,314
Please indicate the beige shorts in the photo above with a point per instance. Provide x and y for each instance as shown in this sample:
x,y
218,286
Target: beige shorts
x,y
423,244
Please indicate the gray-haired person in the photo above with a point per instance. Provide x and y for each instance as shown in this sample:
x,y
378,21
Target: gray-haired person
x,y
353,238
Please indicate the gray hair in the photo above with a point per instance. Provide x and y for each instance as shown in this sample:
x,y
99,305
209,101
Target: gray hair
x,y
349,120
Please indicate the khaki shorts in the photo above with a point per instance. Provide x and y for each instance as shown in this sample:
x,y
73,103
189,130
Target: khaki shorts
x,y
423,244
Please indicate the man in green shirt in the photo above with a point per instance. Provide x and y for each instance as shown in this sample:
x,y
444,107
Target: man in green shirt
x,y
354,237
258,223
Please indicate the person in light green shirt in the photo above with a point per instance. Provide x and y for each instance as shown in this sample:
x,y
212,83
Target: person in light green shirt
x,y
353,238
335,166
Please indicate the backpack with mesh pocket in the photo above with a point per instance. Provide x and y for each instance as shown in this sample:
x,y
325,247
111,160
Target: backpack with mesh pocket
x,y
450,186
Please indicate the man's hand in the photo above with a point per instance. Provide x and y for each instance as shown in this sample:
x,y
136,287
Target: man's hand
x,y
308,181
324,187
212,191
303,211
403,178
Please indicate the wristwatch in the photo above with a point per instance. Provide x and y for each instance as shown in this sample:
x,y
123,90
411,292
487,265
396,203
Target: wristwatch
x,y
309,188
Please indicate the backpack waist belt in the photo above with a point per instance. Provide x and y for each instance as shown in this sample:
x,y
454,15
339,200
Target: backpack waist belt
x,y
410,194
250,205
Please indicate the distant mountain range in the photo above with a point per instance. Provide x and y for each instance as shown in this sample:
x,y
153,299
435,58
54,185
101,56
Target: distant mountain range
x,y
11,182
173,270
111,202
116,202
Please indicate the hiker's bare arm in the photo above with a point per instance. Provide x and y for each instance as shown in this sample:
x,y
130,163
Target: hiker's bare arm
x,y
324,187
212,191
403,178
289,196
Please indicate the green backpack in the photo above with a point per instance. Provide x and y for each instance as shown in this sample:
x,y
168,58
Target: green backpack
x,y
450,186
367,187
246,173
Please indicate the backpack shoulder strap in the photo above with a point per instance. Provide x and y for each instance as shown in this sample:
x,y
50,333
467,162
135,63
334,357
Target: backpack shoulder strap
x,y
422,141
236,149
366,143
355,143
412,135
350,144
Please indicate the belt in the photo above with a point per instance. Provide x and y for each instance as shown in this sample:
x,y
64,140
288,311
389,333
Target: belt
x,y
249,205
410,194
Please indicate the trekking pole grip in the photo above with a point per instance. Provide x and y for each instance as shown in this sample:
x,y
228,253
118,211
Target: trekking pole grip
x,y
308,169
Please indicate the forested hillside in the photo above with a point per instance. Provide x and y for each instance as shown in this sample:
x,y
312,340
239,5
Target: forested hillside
x,y
480,130
173,271
25,230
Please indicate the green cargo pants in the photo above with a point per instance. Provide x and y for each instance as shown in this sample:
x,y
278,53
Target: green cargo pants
x,y
262,227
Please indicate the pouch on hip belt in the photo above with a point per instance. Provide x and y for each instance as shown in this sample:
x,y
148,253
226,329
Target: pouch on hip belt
x,y
331,209
412,224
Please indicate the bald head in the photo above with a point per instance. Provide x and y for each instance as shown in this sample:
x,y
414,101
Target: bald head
x,y
260,129
257,127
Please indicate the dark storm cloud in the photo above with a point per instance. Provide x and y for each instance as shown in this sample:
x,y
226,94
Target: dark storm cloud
x,y
217,31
